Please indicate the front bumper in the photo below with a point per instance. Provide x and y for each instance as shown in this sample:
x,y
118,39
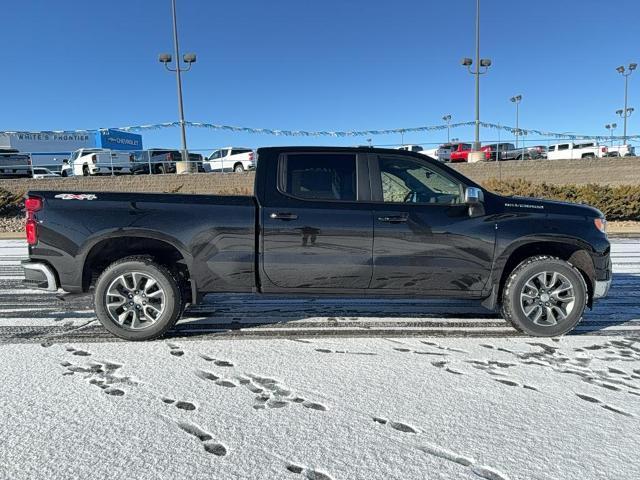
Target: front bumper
x,y
40,276
601,288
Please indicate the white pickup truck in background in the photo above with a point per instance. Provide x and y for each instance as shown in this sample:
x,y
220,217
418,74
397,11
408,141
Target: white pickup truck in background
x,y
431,152
579,149
13,163
96,161
230,159
622,151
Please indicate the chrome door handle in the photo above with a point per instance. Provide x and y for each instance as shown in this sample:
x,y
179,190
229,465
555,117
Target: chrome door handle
x,y
283,216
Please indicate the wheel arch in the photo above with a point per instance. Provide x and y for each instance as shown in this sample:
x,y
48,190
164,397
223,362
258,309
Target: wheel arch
x,y
101,252
573,253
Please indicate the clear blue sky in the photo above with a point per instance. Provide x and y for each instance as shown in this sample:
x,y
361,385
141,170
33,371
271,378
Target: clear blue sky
x,y
321,65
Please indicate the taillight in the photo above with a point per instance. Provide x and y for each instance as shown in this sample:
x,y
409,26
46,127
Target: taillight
x,y
251,156
32,205
32,232
603,149
169,156
94,158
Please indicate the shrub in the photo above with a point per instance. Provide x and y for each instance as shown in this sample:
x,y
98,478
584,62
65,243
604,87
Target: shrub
x,y
616,202
9,201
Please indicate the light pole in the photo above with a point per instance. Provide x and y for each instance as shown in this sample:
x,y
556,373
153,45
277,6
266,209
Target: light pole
x,y
188,59
517,99
611,127
626,112
447,119
480,63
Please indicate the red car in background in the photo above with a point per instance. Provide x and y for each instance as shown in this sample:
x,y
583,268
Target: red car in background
x,y
460,152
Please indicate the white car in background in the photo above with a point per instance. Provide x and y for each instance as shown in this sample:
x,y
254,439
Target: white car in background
x,y
579,149
96,161
432,152
230,159
41,172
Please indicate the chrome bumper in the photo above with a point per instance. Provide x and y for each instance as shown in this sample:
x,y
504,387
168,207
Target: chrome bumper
x,y
39,275
601,288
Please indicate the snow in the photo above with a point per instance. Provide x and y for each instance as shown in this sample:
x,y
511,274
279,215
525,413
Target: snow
x,y
348,408
385,406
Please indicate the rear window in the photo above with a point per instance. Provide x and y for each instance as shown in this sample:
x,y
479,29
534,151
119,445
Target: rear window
x,y
321,176
416,148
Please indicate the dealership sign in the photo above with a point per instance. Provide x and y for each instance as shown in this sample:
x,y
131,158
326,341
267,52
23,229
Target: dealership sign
x,y
118,140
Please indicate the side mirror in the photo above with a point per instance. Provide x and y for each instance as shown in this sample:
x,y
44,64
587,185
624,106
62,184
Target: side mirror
x,y
473,196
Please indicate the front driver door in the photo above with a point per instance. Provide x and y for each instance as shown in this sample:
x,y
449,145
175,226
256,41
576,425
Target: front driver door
x,y
425,240
317,231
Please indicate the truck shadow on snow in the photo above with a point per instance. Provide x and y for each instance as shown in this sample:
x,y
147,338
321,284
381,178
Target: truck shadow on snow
x,y
268,316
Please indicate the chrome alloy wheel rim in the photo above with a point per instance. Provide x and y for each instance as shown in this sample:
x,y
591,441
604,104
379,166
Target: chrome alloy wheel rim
x,y
135,300
547,298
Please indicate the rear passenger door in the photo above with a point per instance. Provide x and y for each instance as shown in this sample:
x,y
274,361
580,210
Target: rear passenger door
x,y
317,230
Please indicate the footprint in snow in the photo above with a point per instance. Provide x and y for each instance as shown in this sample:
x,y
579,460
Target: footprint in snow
x,y
175,350
481,471
310,474
590,399
203,374
504,381
80,353
210,446
216,362
401,427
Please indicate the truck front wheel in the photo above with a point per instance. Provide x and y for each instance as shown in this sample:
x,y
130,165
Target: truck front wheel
x,y
544,296
138,299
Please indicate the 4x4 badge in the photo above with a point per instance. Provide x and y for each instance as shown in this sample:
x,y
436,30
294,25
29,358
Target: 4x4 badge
x,y
76,196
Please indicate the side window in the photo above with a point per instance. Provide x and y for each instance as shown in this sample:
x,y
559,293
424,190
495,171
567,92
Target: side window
x,y
323,176
409,181
215,155
564,146
238,151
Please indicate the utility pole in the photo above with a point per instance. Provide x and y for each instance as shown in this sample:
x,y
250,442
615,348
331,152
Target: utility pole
x,y
188,59
480,63
626,112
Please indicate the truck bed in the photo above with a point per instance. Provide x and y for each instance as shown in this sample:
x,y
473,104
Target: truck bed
x,y
214,234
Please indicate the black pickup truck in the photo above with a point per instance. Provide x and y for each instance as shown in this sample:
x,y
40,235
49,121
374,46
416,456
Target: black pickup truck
x,y
323,222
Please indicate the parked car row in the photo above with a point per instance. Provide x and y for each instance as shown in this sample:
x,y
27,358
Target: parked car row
x,y
98,161
459,151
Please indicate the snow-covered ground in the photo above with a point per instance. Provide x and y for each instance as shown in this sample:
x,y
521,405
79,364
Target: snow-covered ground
x,y
225,405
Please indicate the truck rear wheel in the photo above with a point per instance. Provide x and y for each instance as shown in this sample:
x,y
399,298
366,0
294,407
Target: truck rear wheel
x,y
544,296
138,299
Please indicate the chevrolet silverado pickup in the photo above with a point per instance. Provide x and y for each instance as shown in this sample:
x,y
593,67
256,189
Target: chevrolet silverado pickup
x,y
322,221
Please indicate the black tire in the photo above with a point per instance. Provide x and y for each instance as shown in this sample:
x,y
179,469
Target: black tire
x,y
238,168
85,171
588,155
513,311
166,280
160,169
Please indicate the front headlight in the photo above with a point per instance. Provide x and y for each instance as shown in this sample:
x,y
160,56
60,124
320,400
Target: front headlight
x,y
601,224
